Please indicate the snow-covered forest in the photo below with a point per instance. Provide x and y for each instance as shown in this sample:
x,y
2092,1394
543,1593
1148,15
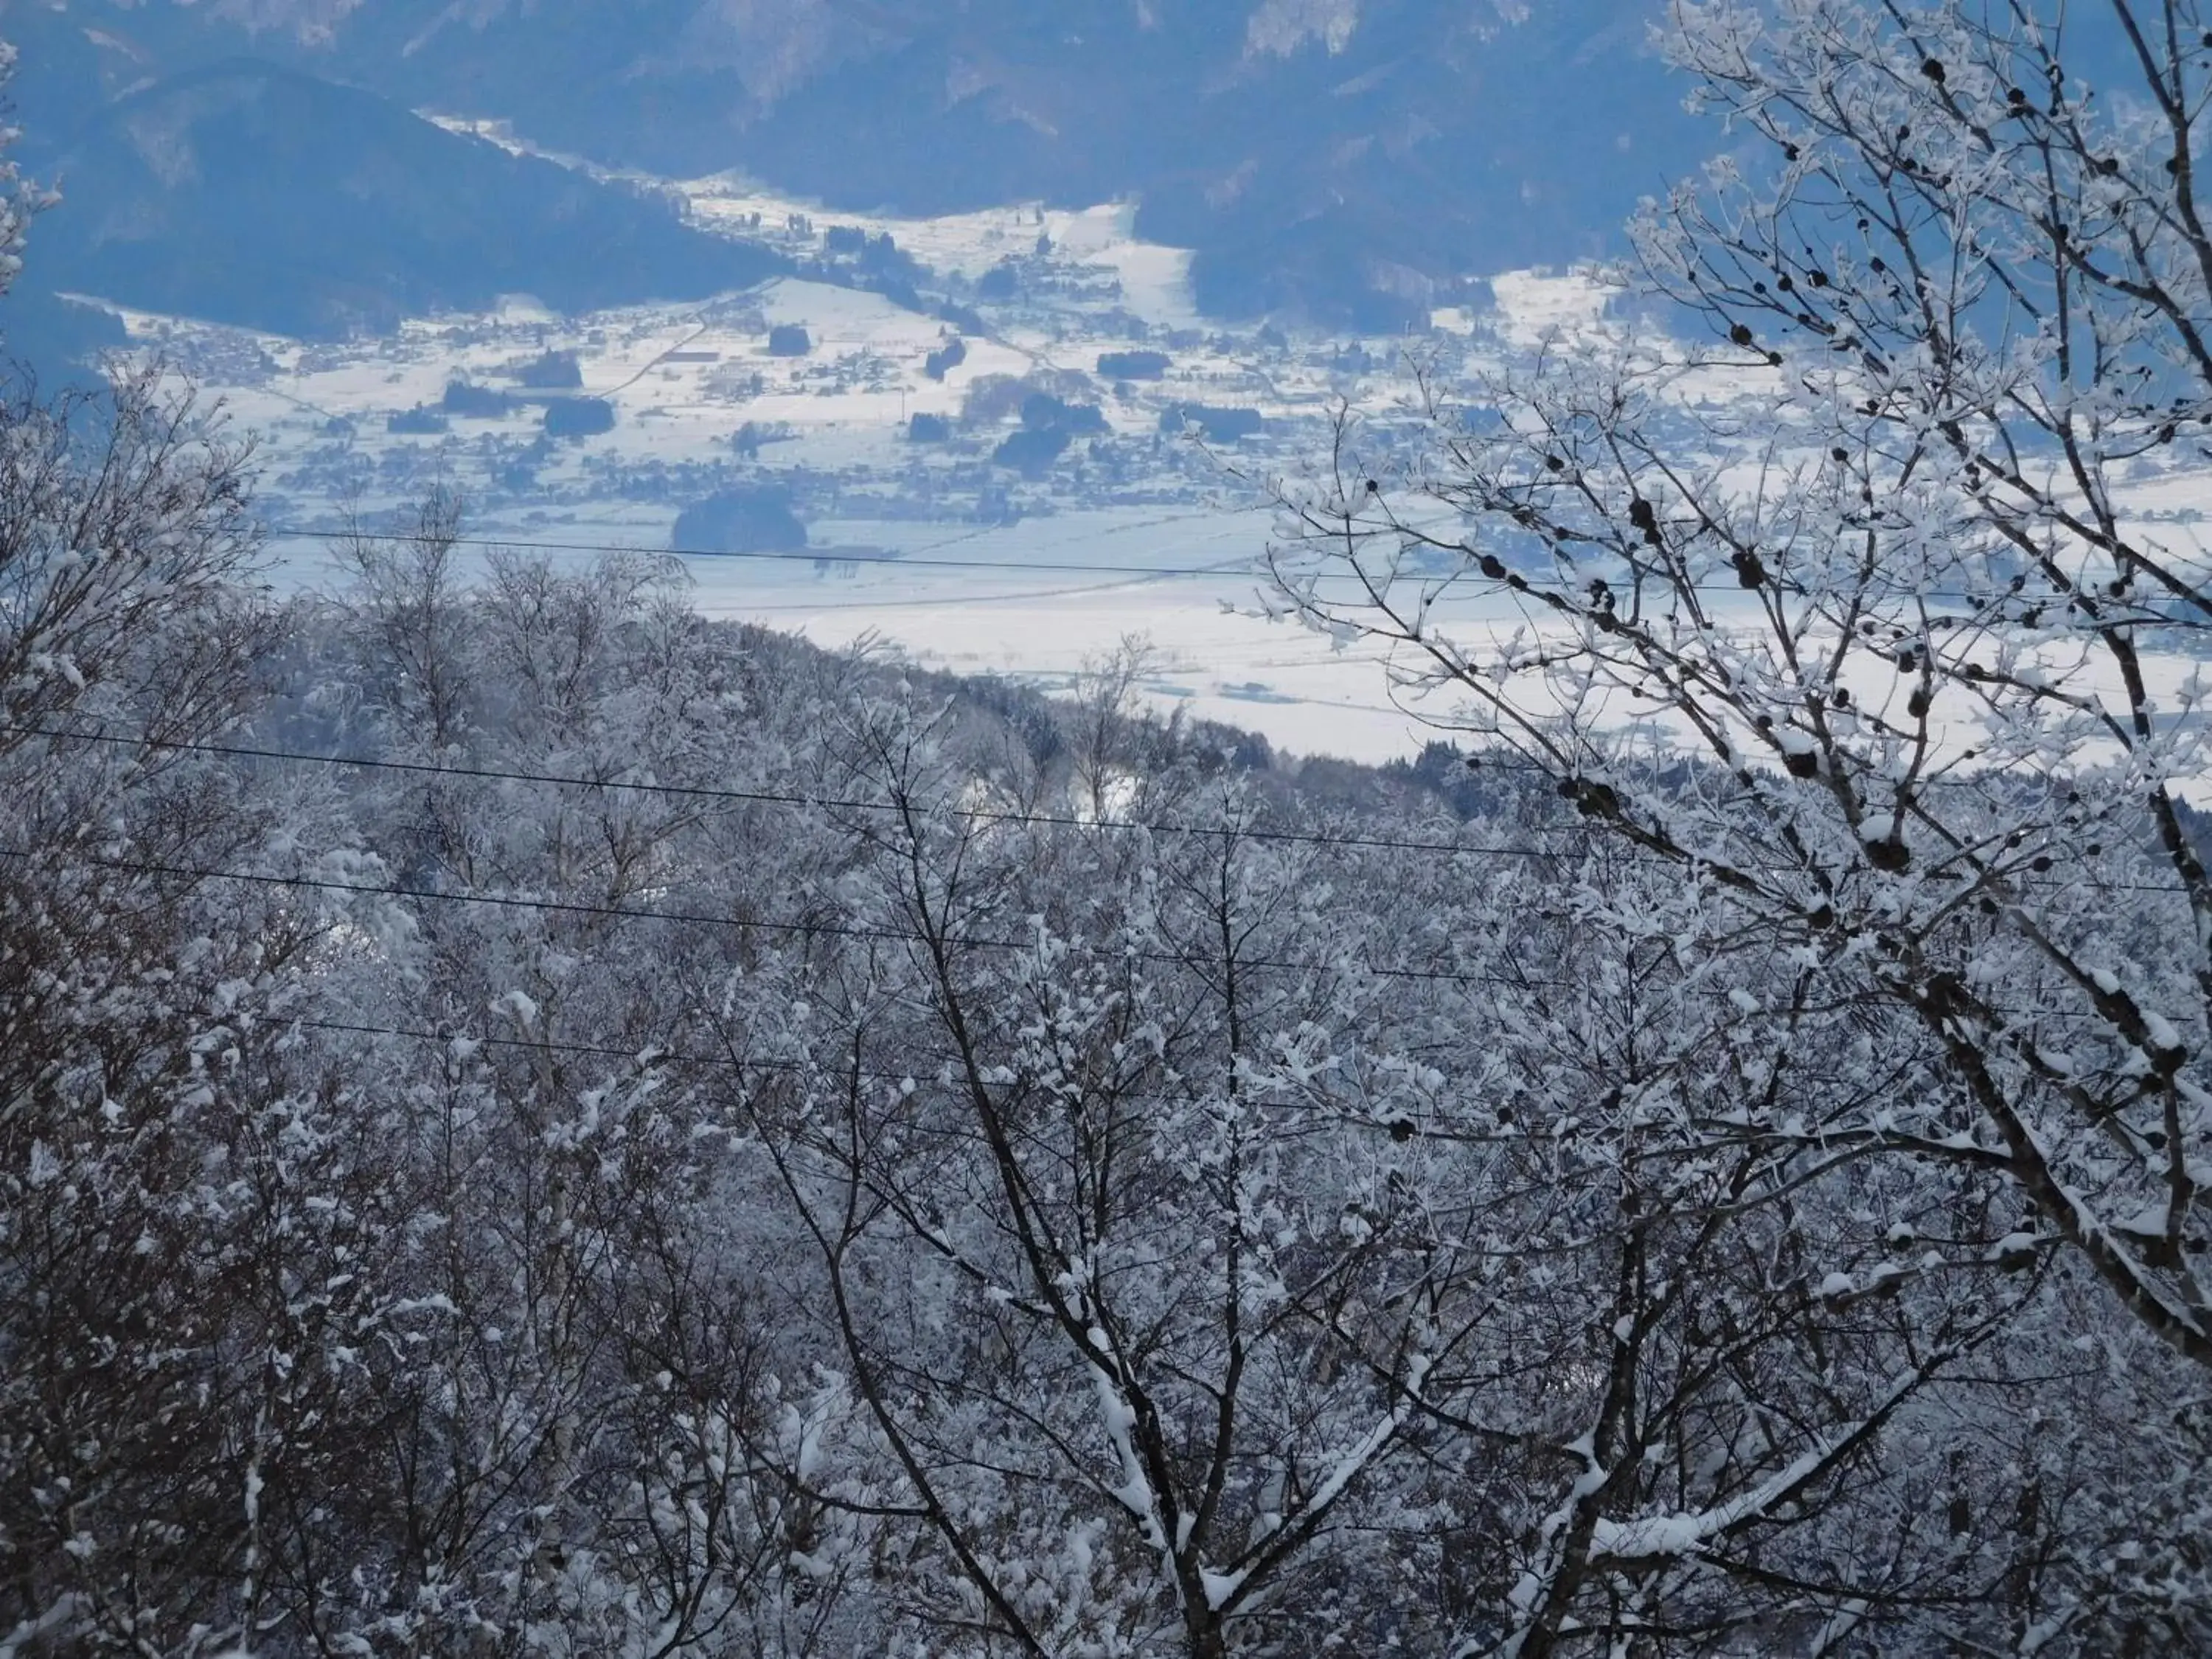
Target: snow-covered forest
x,y
535,1123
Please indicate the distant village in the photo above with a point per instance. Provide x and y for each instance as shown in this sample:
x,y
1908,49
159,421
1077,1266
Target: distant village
x,y
1014,374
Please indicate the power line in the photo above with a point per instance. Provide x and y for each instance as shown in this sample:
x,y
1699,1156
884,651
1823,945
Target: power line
x,y
830,929
941,601
1244,563
817,555
774,798
993,815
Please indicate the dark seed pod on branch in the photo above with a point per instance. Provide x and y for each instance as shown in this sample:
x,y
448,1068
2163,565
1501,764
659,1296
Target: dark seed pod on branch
x,y
2015,1257
1598,801
1888,855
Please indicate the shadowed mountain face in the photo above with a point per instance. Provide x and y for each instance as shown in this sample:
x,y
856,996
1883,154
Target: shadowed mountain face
x,y
250,194
1333,156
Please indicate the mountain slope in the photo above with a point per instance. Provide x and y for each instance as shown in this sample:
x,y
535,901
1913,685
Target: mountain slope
x,y
249,193
1326,155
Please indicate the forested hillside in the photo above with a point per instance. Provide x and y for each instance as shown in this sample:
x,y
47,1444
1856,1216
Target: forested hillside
x,y
536,1123
244,193
1323,157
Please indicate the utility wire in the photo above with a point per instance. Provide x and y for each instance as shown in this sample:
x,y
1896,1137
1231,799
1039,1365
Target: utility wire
x,y
774,798
830,929
816,556
1251,564
992,815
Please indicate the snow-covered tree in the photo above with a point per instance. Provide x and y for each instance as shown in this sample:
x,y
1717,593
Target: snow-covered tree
x,y
1232,1239
146,1174
1863,615
1858,611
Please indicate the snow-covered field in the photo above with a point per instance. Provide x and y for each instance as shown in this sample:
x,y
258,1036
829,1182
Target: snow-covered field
x,y
1134,531
928,546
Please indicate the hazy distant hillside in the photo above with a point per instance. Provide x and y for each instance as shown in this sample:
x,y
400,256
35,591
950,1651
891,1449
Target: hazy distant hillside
x,y
248,193
1324,153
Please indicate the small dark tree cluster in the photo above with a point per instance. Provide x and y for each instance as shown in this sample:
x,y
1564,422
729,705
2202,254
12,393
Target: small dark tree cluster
x,y
420,422
1132,365
473,402
551,371
945,358
754,521
578,417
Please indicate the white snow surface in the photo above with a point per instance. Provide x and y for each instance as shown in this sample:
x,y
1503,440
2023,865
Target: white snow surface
x,y
682,379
